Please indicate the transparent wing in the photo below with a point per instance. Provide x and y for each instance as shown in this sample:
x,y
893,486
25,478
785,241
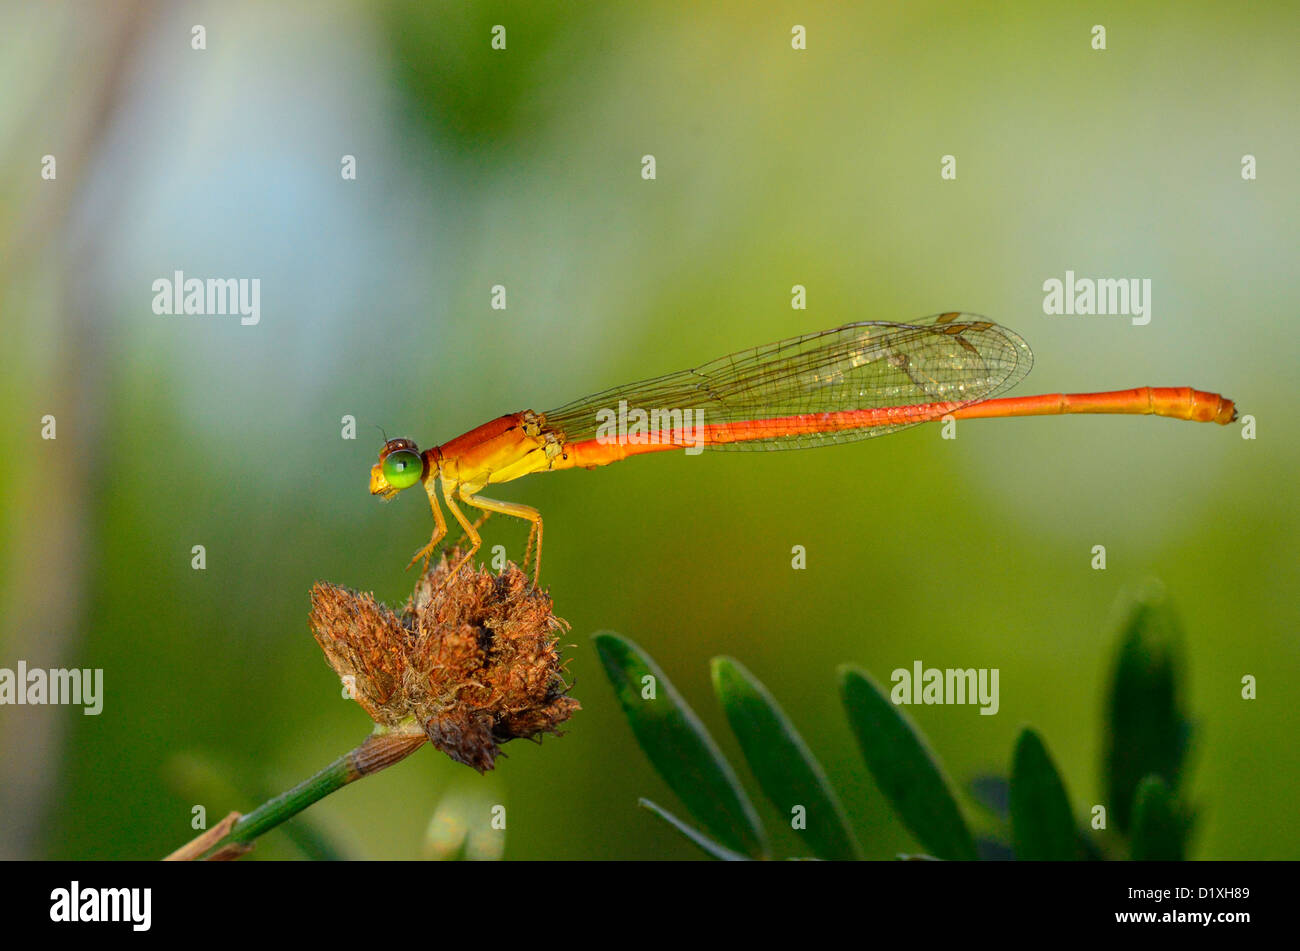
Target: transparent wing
x,y
778,396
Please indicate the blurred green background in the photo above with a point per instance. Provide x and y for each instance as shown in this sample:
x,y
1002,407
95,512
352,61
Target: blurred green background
x,y
522,167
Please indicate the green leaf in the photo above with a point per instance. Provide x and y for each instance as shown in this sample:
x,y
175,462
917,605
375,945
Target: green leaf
x,y
905,769
992,793
1042,826
785,768
1147,731
992,849
456,832
1159,825
679,747
714,849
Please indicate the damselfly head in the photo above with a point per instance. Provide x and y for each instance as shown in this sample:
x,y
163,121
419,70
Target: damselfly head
x,y
400,466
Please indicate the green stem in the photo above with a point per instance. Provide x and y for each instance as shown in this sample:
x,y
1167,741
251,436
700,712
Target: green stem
x,y
288,804
380,750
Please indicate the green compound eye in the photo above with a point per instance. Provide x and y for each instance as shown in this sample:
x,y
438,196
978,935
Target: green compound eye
x,y
403,468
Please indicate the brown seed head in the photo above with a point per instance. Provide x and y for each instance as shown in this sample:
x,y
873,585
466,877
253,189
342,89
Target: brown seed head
x,y
473,661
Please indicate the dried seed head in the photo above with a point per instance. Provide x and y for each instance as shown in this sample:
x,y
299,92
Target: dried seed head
x,y
473,661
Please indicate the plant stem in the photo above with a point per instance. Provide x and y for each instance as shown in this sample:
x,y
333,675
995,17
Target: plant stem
x,y
288,804
380,750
